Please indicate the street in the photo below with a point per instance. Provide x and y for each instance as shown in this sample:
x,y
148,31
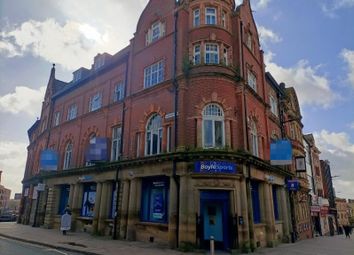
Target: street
x,y
12,247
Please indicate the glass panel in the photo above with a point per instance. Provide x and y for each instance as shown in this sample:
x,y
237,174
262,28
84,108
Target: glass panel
x,y
148,143
208,133
154,143
218,134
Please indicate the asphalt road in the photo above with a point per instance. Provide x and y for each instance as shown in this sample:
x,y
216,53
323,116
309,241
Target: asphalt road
x,y
12,247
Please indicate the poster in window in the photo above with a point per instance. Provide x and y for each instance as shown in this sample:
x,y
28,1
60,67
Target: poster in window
x,y
89,201
158,211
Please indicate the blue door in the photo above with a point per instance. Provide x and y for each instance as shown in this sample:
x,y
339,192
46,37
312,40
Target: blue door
x,y
214,210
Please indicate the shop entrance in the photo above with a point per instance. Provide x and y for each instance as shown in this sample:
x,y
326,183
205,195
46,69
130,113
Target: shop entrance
x,y
214,214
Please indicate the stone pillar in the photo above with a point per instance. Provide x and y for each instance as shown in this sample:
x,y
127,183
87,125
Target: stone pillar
x,y
132,214
172,214
71,195
269,214
285,214
124,211
48,219
105,198
97,207
244,212
199,134
228,141
76,204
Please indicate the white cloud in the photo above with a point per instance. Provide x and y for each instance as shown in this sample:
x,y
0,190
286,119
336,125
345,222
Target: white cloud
x,y
339,150
351,125
330,9
23,100
306,80
255,4
266,35
8,49
348,56
12,163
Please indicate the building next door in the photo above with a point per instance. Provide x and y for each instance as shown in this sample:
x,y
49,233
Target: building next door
x,y
214,214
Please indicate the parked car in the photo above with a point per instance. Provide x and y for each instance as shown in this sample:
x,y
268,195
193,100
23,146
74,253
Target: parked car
x,y
7,217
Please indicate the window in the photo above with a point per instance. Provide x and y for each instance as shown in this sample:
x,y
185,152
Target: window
x,y
249,41
210,16
223,19
255,202
99,62
56,119
273,105
91,141
196,18
213,126
254,139
196,59
116,143
225,57
118,92
252,81
114,199
64,198
72,112
169,136
154,203
77,75
68,155
211,53
95,102
275,202
88,201
154,74
156,31
154,135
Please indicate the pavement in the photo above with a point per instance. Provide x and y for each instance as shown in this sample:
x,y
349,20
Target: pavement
x,y
86,243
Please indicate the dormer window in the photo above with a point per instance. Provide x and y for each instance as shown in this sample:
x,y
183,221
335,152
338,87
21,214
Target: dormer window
x,y
210,16
99,62
156,31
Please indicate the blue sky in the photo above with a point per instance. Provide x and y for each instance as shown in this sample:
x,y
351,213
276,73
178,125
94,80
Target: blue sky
x,y
308,44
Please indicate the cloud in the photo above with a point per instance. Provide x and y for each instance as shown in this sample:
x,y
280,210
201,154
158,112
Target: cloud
x,y
8,49
255,4
351,125
348,56
330,9
267,36
339,150
23,100
306,80
12,163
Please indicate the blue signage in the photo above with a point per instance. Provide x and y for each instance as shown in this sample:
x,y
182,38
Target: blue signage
x,y
97,150
215,167
281,153
293,185
49,160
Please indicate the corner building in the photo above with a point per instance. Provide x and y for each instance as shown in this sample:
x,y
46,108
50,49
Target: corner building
x,y
187,116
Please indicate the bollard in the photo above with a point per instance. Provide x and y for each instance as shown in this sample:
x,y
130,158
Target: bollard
x,y
212,247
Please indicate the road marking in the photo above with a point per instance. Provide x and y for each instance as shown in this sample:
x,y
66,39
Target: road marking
x,y
61,252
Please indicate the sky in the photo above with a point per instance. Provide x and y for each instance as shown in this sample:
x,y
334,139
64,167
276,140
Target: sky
x,y
308,44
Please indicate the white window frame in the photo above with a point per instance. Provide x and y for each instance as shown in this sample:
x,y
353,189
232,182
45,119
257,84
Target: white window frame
x,y
92,140
223,19
68,156
213,113
153,128
56,119
197,54
254,139
95,102
116,143
211,52
118,92
196,18
273,105
210,16
249,42
252,80
155,32
72,112
154,74
226,56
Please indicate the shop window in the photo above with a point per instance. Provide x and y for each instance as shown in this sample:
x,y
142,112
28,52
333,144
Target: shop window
x,y
154,204
68,155
64,198
210,16
275,202
88,201
256,206
154,135
196,18
211,53
213,126
114,200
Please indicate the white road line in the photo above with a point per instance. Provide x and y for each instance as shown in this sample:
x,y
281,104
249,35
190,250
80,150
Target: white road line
x,y
61,252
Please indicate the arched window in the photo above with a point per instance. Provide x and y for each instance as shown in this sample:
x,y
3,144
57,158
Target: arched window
x,y
213,126
254,139
154,135
68,155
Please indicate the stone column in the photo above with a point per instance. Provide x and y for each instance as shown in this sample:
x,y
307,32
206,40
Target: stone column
x,y
105,198
48,219
76,204
269,214
97,207
132,214
183,210
172,214
244,212
71,195
285,212
124,211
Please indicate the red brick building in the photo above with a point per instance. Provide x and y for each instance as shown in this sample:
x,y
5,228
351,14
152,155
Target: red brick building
x,y
186,115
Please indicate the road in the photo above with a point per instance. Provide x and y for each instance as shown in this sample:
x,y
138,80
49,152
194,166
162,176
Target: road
x,y
12,247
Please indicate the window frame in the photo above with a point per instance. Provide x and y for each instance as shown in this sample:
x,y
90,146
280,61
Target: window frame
x,y
68,155
158,69
116,143
213,118
273,105
223,19
252,80
150,133
72,112
256,202
56,119
275,203
197,54
118,92
254,139
95,102
87,190
211,54
211,18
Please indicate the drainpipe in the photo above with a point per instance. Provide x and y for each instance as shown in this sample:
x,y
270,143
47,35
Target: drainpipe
x,y
175,86
114,237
